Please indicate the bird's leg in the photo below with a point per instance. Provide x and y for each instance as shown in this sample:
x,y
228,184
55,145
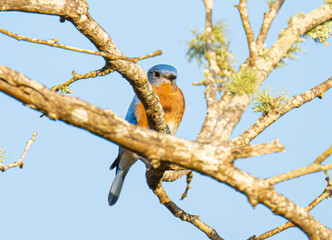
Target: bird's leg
x,y
145,161
168,131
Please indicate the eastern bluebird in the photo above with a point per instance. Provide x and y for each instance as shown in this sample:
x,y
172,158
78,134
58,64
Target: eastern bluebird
x,y
162,78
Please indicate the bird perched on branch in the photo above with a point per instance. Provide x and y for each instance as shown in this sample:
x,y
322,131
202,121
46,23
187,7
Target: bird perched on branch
x,y
163,80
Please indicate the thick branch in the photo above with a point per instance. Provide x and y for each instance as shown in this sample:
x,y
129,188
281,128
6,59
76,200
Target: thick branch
x,y
230,118
213,113
233,112
292,33
107,124
214,161
77,13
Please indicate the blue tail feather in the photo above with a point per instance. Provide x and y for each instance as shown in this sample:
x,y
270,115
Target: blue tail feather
x,y
116,187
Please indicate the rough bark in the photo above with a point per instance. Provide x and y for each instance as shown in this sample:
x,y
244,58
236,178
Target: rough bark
x,y
210,160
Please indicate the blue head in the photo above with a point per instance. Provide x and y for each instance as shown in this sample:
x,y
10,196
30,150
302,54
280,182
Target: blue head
x,y
162,73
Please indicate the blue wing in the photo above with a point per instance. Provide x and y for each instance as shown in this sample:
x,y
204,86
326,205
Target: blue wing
x,y
130,116
126,159
121,171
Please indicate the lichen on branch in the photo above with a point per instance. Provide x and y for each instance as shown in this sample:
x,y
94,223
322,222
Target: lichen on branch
x,y
198,49
243,82
266,100
321,33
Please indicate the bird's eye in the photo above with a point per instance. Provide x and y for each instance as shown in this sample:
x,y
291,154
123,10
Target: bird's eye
x,y
157,74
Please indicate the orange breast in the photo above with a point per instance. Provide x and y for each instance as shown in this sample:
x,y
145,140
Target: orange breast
x,y
171,100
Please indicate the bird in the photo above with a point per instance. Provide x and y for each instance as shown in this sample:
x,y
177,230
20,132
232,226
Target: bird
x,y
162,77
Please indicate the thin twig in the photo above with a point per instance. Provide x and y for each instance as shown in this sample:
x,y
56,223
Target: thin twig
x,y
326,193
20,162
64,87
214,107
190,176
54,43
204,158
154,177
323,156
258,149
311,168
242,7
199,83
268,18
211,91
178,212
266,120
174,172
96,73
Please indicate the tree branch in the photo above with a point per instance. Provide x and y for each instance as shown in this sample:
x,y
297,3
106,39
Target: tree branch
x,y
266,120
230,118
170,175
105,123
268,18
154,181
313,167
257,150
190,176
326,194
238,104
213,161
212,115
292,33
242,7
20,162
323,156
214,109
96,73
77,13
54,43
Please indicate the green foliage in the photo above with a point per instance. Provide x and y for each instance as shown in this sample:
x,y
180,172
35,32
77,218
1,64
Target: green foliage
x,y
198,49
198,46
64,89
263,51
266,100
292,53
296,48
2,155
299,14
328,1
243,82
270,3
321,33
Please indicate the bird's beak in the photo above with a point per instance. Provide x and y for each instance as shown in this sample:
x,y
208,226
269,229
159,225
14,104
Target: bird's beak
x,y
172,78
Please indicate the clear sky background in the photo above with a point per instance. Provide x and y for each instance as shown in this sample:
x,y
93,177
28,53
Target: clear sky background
x,y
61,193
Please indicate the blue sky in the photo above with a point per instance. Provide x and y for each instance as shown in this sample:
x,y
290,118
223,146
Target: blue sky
x,y
61,193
